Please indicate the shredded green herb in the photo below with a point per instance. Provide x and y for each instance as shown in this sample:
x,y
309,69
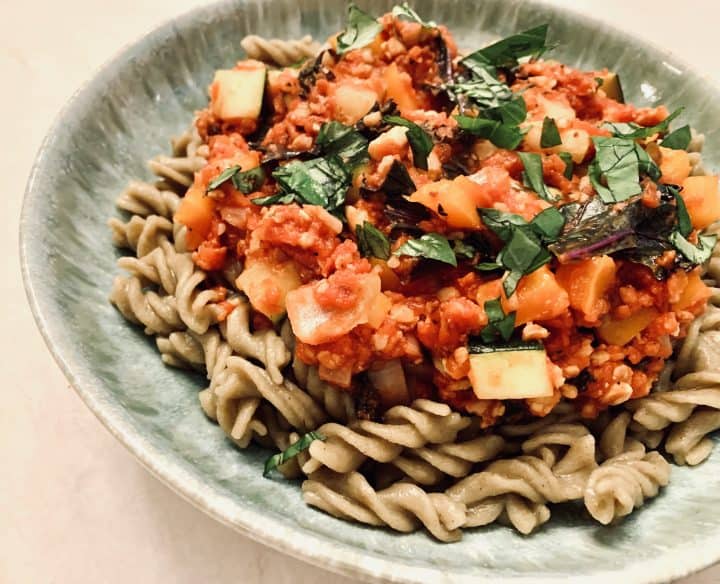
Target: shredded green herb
x,y
421,142
291,451
550,135
615,171
372,242
533,175
634,131
405,12
506,52
499,323
431,246
678,139
336,139
360,31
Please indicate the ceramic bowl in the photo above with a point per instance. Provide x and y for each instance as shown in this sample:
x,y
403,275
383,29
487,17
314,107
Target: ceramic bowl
x,y
126,114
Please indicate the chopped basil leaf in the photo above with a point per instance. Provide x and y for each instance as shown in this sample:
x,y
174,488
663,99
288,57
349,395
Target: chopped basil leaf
x,y
534,174
501,224
684,222
398,181
404,11
249,181
523,252
291,451
695,254
487,266
361,30
499,324
548,224
463,250
372,242
511,113
431,246
225,175
635,131
566,157
678,139
615,171
246,181
420,141
503,136
320,181
343,141
550,135
484,90
506,52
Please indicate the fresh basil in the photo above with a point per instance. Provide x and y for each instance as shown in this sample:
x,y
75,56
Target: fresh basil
x,y
566,157
484,90
398,181
291,451
346,142
635,131
319,181
431,246
522,255
224,176
678,139
524,251
245,181
615,171
487,266
506,52
463,249
550,135
502,135
684,222
548,224
360,31
499,323
533,174
695,254
372,242
421,142
404,11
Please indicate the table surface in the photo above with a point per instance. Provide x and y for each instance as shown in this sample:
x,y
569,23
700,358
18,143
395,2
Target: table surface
x,y
74,504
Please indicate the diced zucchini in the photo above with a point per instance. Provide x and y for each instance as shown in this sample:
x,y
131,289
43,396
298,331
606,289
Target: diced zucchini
x,y
611,86
510,374
237,94
267,286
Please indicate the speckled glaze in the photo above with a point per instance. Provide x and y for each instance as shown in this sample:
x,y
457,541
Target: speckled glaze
x,y
126,114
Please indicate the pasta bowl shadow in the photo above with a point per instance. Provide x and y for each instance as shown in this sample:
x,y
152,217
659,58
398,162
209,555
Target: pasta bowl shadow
x,y
127,113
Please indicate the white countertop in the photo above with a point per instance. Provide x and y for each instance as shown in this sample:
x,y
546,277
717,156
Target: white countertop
x,y
74,505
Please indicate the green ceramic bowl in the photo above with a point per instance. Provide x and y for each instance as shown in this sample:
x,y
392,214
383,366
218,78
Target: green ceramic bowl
x,y
126,114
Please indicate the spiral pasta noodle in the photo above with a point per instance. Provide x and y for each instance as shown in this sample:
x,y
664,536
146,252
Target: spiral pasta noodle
x,y
281,53
402,506
623,483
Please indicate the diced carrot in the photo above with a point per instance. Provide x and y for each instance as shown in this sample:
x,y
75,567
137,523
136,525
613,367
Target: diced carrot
x,y
621,332
538,297
196,213
674,166
695,292
453,200
702,199
587,282
400,89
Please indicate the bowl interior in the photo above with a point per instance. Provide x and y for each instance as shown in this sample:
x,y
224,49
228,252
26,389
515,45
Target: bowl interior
x,y
126,115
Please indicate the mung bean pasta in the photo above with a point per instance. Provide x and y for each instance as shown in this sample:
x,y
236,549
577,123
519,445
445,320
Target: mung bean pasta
x,y
447,289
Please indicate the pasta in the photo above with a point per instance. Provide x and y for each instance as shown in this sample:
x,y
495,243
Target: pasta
x,y
623,483
402,376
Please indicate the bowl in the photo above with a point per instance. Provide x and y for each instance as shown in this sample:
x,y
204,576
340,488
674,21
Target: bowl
x,y
127,113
